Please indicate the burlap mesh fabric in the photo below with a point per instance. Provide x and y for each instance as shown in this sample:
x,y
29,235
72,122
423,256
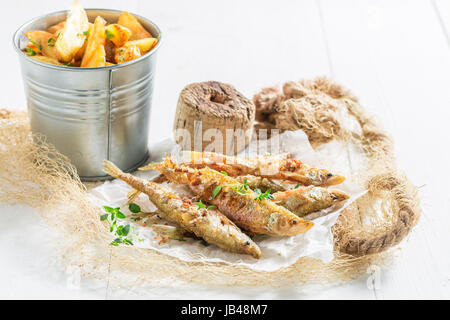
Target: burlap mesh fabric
x,y
35,174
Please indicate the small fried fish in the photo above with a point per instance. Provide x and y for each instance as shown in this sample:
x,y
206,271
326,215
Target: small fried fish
x,y
280,166
238,203
211,225
305,200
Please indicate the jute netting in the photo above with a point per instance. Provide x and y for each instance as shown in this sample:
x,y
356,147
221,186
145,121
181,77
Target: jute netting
x,y
35,174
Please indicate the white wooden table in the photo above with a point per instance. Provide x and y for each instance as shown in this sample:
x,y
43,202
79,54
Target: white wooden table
x,y
393,54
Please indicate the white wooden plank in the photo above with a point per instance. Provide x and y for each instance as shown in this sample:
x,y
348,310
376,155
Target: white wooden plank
x,y
250,44
442,9
330,55
394,55
29,263
343,291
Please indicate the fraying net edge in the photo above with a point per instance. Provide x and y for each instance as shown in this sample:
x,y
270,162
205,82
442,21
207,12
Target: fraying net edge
x,y
35,174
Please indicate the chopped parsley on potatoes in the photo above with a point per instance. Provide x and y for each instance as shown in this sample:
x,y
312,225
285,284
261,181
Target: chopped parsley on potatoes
x,y
77,42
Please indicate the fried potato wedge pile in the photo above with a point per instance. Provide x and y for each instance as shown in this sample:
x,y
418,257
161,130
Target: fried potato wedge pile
x,y
76,42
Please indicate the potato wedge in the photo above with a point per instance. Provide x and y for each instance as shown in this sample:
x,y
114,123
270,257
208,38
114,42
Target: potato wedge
x,y
80,53
124,54
57,28
44,41
95,58
95,55
118,34
47,60
144,45
32,49
137,30
72,37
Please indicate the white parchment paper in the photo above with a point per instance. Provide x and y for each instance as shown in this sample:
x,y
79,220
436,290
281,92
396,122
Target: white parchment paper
x,y
277,252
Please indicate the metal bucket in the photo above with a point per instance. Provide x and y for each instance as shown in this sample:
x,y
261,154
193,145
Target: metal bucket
x,y
91,114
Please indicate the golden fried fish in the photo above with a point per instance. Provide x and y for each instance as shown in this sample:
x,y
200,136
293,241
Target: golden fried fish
x,y
280,166
209,224
305,200
237,202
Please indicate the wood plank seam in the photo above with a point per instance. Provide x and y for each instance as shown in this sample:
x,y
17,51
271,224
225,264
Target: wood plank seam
x,y
331,72
441,20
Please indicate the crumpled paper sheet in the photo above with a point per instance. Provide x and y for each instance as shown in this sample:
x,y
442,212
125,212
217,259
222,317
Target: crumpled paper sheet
x,y
277,252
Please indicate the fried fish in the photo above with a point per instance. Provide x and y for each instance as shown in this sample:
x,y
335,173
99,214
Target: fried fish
x,y
238,203
280,166
209,224
305,200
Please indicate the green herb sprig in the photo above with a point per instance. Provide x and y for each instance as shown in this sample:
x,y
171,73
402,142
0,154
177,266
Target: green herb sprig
x,y
133,207
216,191
261,196
109,34
31,52
51,42
112,216
240,188
201,205
38,44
